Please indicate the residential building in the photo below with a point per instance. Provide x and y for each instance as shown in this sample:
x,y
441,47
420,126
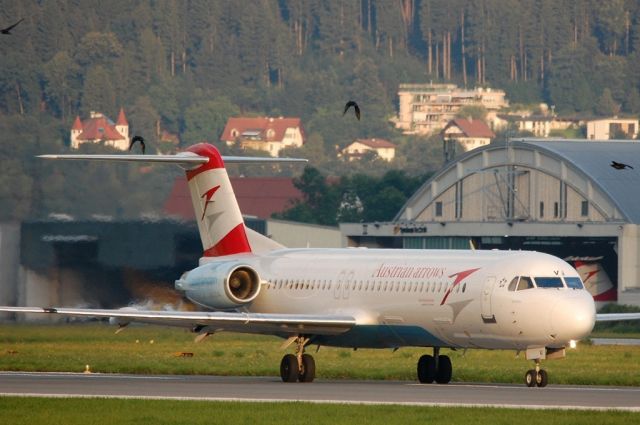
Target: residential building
x,y
99,128
359,147
466,133
427,108
538,125
264,133
612,128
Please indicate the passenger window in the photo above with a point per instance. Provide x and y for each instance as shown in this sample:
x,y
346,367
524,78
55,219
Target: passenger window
x,y
525,283
549,282
574,282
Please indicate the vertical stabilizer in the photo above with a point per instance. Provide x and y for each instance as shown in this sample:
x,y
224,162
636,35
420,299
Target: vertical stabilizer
x,y
220,222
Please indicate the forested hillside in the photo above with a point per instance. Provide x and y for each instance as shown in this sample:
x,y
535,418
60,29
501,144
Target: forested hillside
x,y
185,66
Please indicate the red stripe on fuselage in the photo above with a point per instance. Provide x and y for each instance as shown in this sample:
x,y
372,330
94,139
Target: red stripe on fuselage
x,y
459,277
234,242
210,151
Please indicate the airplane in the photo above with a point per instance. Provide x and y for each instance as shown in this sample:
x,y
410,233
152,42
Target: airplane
x,y
525,301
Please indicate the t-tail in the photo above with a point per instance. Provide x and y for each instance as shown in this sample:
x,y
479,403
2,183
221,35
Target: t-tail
x,y
220,223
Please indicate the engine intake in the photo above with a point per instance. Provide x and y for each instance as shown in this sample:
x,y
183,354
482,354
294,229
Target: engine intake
x,y
243,284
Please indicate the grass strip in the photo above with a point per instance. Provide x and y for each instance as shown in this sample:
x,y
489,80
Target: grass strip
x,y
30,411
160,350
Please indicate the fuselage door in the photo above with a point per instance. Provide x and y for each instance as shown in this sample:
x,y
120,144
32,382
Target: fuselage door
x,y
487,292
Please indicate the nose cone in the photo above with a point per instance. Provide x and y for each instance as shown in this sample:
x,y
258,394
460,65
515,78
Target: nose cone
x,y
573,317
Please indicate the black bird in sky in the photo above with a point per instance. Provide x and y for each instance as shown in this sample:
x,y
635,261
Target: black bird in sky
x,y
7,30
620,165
137,139
356,108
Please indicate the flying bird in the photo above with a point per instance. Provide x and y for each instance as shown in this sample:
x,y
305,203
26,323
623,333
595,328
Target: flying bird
x,y
356,108
137,139
620,165
7,30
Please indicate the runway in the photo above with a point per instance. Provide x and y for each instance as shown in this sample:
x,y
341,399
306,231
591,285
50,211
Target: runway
x,y
271,389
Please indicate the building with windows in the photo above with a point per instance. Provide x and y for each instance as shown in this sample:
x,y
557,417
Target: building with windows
x,y
557,196
360,147
427,108
466,133
612,128
99,128
264,133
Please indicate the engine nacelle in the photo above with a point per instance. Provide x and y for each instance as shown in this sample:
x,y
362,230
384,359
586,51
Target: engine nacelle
x,y
220,285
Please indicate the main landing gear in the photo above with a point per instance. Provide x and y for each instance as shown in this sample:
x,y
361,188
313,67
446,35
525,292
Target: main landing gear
x,y
536,377
299,366
434,368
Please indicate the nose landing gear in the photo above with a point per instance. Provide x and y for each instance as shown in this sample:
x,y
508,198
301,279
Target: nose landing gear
x,y
300,366
536,377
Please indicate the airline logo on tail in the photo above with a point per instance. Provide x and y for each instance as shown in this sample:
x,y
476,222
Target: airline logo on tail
x,y
220,222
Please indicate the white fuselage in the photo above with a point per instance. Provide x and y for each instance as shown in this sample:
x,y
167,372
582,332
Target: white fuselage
x,y
445,298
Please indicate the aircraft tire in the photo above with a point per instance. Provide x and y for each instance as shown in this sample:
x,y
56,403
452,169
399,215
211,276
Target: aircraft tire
x,y
444,372
426,369
542,378
308,369
530,378
289,368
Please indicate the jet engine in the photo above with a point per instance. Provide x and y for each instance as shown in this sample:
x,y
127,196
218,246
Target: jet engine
x,y
220,285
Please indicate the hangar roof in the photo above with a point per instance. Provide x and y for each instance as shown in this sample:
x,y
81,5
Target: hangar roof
x,y
594,159
591,161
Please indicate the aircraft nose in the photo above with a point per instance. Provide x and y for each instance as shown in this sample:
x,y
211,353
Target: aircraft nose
x,y
573,318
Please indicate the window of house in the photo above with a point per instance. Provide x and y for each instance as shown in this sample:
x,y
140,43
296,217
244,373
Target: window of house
x,y
541,209
556,210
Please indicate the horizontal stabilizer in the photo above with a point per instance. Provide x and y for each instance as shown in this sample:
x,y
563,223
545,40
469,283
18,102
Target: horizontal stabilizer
x,y
185,159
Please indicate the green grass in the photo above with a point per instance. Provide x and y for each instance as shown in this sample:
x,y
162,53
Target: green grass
x,y
29,411
71,347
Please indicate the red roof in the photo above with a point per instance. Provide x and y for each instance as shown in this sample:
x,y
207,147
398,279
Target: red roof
x,y
122,120
257,196
236,126
99,128
471,128
376,143
77,124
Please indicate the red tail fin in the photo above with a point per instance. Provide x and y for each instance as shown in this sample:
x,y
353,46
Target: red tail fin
x,y
219,219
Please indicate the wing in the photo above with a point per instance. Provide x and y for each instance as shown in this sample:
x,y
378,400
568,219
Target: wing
x,y
278,324
610,317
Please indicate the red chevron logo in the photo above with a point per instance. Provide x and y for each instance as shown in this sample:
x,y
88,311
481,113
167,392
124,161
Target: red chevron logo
x,y
459,277
208,195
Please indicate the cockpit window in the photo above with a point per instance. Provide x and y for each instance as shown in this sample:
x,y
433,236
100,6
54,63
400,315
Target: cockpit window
x,y
574,282
514,283
549,282
525,283
520,283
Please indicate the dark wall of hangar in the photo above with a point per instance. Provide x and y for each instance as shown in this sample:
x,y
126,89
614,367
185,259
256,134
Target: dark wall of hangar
x,y
115,263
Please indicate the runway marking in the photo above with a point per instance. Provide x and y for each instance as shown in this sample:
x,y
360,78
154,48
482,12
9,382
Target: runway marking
x,y
365,403
523,388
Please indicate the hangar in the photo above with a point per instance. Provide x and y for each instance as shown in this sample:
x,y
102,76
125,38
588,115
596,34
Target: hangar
x,y
561,196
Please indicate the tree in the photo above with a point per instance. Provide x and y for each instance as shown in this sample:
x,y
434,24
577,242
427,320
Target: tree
x,y
145,121
98,93
606,106
60,80
205,120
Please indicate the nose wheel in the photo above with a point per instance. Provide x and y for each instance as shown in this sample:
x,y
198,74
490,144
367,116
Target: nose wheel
x,y
299,367
536,377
